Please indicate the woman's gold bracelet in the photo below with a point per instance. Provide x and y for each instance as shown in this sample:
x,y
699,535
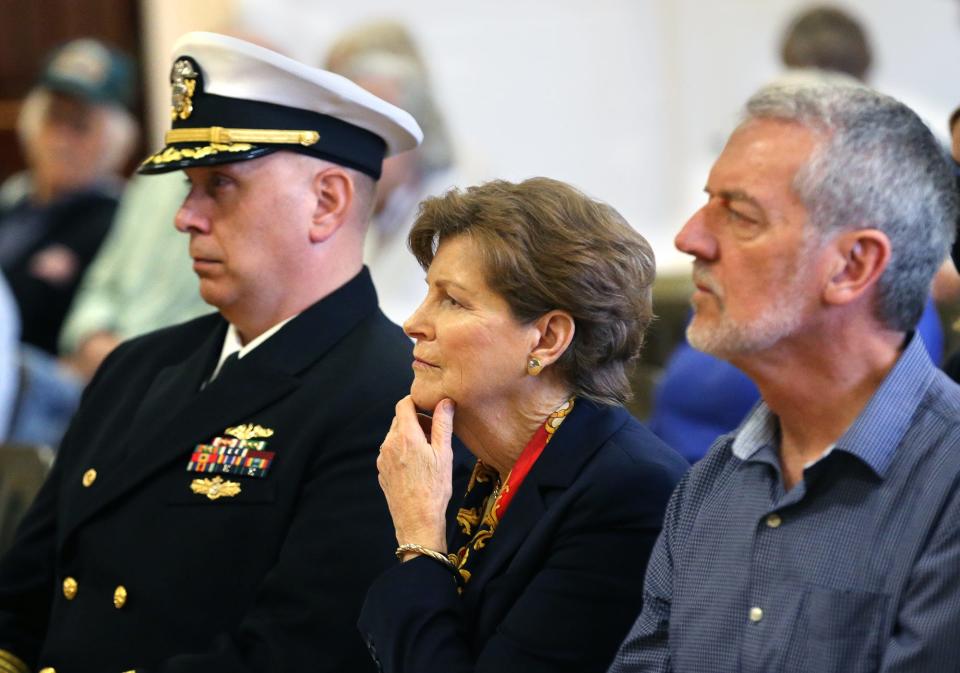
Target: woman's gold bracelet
x,y
423,551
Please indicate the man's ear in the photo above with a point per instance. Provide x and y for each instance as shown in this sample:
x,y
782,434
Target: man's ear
x,y
556,330
333,191
860,258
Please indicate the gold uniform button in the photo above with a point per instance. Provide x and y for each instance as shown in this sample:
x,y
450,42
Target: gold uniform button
x,y
756,614
89,477
48,669
119,597
70,587
774,520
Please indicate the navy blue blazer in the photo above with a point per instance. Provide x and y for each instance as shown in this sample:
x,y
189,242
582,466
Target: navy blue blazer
x,y
562,578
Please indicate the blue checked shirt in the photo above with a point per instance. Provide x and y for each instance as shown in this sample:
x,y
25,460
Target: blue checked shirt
x,y
856,569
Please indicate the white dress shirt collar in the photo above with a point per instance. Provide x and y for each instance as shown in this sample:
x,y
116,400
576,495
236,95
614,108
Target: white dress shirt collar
x,y
231,343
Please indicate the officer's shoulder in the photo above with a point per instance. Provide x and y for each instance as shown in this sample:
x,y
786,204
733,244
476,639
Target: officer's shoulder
x,y
379,355
379,339
390,333
168,341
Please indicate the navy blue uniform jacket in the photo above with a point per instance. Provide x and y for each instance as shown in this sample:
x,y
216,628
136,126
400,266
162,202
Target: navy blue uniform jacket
x,y
270,579
562,578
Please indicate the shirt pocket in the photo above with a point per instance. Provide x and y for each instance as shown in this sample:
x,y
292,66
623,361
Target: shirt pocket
x,y
844,630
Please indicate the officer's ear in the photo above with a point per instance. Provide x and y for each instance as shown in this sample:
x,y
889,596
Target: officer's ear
x,y
333,191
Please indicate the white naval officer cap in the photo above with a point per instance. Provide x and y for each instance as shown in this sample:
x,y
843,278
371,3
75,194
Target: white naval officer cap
x,y
233,100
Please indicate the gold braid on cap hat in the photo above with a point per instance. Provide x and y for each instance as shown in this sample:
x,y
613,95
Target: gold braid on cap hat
x,y
218,135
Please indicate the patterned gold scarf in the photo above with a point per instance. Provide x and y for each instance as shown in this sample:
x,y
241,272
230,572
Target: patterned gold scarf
x,y
486,500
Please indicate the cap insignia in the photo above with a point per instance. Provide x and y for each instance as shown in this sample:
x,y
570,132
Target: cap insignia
x,y
249,431
183,80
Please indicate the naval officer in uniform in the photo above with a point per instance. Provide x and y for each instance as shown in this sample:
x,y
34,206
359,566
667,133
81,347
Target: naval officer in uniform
x,y
215,504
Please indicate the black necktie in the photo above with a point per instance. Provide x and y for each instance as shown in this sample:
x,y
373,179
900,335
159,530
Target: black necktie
x,y
229,363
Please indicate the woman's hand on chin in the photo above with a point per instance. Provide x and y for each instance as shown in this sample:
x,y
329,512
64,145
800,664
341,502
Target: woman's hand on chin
x,y
416,474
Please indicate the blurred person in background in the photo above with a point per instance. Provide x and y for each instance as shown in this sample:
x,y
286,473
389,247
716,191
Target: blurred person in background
x,y
946,285
9,357
537,302
77,134
827,38
382,57
952,292
700,397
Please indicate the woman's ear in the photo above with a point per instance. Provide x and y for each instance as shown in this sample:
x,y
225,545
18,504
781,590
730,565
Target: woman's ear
x,y
556,330
860,258
333,191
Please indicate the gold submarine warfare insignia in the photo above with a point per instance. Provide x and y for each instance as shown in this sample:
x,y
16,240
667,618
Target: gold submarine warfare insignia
x,y
249,431
183,82
215,488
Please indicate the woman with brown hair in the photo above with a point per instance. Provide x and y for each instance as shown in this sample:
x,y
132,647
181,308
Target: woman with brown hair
x,y
536,306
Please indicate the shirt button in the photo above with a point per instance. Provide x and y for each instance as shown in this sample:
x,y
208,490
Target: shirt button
x,y
89,477
756,614
70,588
774,520
48,669
119,597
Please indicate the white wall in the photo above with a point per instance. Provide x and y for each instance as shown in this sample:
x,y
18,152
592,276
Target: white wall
x,y
628,99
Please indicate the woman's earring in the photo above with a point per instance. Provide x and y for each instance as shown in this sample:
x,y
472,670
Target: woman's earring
x,y
534,366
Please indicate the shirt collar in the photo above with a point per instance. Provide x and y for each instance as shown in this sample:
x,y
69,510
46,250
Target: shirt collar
x,y
874,435
231,343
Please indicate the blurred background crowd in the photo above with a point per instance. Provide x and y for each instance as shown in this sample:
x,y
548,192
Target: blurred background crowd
x,y
628,100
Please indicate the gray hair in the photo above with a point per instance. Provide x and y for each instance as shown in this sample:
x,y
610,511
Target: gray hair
x,y
415,96
386,49
875,166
